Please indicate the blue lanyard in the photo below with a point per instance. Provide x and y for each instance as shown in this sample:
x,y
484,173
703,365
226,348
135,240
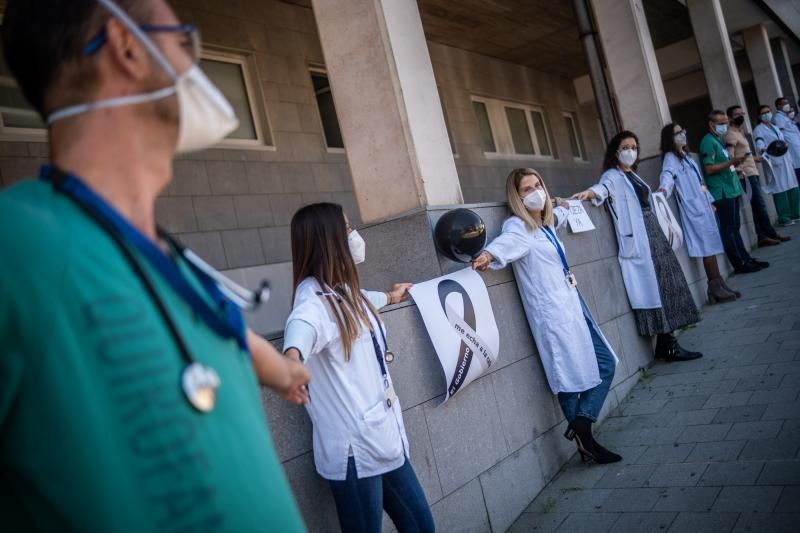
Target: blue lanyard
x,y
554,241
724,148
378,351
226,319
689,160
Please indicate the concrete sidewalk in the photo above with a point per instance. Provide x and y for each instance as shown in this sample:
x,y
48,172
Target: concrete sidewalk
x,y
707,445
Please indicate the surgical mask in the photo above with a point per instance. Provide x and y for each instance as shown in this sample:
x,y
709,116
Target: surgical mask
x,y
358,248
786,108
205,116
738,121
680,139
792,114
627,157
721,129
766,117
535,201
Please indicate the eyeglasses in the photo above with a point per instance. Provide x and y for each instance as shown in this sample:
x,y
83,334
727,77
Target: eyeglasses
x,y
191,38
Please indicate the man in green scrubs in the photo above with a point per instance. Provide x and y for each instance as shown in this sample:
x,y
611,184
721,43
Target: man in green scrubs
x,y
723,184
97,428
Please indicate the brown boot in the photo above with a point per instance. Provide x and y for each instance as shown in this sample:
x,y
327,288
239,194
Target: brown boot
x,y
725,286
717,292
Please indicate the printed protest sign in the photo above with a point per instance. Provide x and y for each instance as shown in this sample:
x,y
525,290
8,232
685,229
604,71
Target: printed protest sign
x,y
578,218
459,318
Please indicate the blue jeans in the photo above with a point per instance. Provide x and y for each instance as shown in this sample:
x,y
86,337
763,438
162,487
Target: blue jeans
x,y
360,502
588,403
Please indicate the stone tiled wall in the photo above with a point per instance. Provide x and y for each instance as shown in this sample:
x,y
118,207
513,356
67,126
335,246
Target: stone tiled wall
x,y
233,205
461,74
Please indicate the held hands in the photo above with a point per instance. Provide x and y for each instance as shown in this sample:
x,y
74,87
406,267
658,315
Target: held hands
x,y
483,260
588,194
295,391
399,293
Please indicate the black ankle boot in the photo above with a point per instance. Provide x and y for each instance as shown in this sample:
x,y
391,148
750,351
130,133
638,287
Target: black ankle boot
x,y
580,430
667,348
664,343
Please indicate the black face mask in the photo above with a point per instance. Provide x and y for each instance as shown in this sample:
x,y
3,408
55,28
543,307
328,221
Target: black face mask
x,y
739,120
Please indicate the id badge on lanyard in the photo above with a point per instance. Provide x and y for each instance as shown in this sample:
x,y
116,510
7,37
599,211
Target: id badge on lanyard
x,y
569,277
389,394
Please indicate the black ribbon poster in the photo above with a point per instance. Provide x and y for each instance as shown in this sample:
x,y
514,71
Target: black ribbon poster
x,y
465,336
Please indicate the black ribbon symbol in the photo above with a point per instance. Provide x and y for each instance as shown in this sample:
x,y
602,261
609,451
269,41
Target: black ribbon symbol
x,y
465,353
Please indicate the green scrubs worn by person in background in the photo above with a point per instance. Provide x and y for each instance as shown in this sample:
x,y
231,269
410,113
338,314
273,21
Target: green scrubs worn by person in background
x,y
103,428
723,184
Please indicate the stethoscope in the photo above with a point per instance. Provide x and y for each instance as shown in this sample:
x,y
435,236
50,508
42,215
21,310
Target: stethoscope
x,y
199,382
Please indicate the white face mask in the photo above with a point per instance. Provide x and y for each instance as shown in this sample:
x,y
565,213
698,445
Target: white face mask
x,y
358,248
627,157
535,200
786,108
792,114
680,139
205,116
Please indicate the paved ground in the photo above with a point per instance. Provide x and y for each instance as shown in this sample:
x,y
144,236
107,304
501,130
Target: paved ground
x,y
707,445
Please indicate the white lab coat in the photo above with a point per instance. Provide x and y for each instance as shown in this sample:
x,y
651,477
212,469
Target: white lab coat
x,y
791,135
555,312
347,404
779,175
699,223
638,272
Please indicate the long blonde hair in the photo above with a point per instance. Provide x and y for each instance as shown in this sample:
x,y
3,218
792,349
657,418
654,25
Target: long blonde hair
x,y
515,205
320,250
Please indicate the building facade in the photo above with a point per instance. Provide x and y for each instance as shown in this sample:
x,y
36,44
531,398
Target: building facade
x,y
398,108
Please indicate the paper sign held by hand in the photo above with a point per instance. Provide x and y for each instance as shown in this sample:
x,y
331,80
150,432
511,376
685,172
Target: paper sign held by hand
x,y
578,218
460,321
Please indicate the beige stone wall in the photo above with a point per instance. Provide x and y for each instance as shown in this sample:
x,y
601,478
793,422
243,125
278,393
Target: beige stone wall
x,y
461,74
234,205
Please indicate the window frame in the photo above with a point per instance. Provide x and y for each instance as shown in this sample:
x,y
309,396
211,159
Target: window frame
x,y
503,139
319,69
492,126
576,132
258,110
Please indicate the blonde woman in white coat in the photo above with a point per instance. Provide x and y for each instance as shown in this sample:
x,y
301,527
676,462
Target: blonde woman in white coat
x,y
578,360
656,287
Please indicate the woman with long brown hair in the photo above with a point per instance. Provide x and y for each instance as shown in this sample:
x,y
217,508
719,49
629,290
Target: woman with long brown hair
x,y
653,279
359,439
578,360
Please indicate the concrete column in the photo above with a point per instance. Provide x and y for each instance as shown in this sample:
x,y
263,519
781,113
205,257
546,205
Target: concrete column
x,y
714,45
783,66
641,101
759,53
388,105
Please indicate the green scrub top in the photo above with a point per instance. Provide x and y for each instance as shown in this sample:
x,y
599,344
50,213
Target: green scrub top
x,y
97,434
725,183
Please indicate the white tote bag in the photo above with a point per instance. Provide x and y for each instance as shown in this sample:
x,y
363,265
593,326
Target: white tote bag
x,y
669,224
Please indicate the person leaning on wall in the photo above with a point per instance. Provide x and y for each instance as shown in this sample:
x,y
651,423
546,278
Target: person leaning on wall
x,y
779,176
749,177
359,439
656,287
578,360
784,121
680,173
724,186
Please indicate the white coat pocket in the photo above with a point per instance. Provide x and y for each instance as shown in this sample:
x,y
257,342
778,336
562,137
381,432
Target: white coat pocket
x,y
376,414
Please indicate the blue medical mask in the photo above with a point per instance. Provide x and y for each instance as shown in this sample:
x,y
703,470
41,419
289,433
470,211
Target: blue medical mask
x,y
721,129
766,117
